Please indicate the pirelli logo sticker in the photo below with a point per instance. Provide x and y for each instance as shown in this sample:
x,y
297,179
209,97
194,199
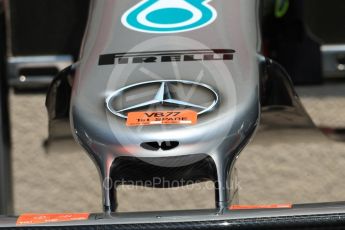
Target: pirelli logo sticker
x,y
183,117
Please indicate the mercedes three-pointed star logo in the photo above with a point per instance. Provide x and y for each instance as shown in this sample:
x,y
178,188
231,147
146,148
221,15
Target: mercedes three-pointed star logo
x,y
163,97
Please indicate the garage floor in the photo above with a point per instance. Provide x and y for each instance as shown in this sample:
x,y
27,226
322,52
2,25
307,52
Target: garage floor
x,y
289,167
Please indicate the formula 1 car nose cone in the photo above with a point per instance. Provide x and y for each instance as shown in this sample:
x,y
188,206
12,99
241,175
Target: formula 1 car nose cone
x,y
173,107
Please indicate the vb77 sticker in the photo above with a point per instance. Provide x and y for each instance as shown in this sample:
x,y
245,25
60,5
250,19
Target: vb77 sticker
x,y
183,117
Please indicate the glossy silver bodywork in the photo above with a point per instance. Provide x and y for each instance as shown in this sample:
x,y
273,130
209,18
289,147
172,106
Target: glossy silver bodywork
x,y
219,134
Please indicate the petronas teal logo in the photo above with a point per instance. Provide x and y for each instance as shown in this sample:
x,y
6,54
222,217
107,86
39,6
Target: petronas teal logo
x,y
169,16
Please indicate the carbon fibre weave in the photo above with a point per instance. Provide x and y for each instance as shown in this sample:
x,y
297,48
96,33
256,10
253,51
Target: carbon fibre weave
x,y
334,221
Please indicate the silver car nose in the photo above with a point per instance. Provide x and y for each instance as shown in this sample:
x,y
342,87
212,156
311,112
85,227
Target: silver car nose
x,y
170,128
178,103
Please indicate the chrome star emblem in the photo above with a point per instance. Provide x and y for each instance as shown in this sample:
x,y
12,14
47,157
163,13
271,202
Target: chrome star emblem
x,y
163,97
